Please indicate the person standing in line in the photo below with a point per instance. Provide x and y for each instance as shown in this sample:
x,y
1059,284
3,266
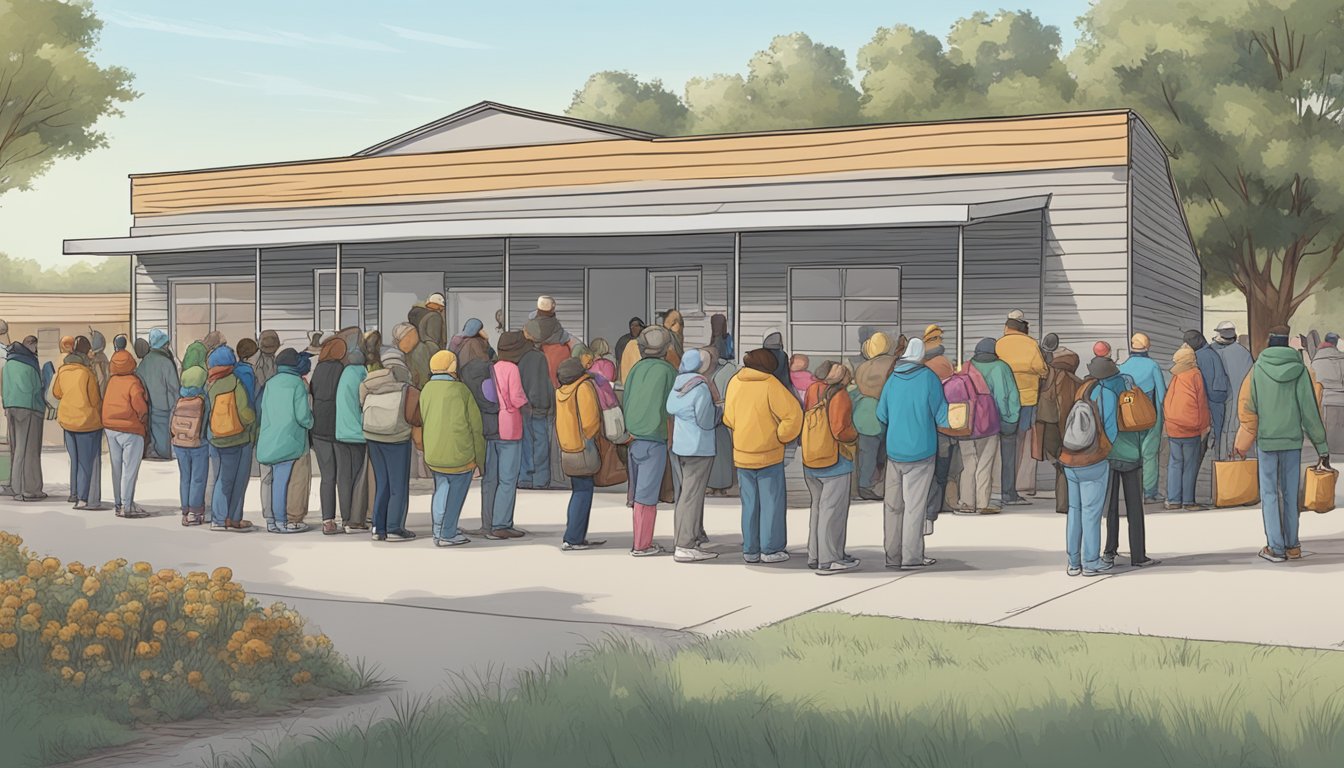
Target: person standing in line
x,y
1279,409
80,415
454,440
1237,361
323,389
1147,376
286,417
828,443
471,344
1328,365
535,373
126,412
352,466
1126,463
504,456
98,361
1088,469
722,472
230,421
626,355
675,325
1023,354
391,410
647,387
194,356
478,378
719,337
264,362
191,446
578,426
800,377
1057,397
997,377
417,351
764,417
1186,413
1217,389
774,341
158,371
935,358
912,408
696,415
25,411
869,378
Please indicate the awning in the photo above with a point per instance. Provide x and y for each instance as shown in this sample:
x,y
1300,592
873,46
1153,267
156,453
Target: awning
x,y
568,226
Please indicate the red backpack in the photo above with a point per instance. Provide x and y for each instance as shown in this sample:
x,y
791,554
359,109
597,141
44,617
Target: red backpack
x,y
969,389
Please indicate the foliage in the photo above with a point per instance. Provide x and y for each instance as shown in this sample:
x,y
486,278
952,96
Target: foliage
x,y
125,644
836,690
619,98
28,276
53,92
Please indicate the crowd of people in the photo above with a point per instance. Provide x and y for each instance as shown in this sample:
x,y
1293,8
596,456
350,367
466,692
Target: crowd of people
x,y
904,424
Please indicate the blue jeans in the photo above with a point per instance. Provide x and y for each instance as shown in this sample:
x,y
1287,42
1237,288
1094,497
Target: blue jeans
x,y
392,475
763,516
1280,478
280,474
536,460
450,493
230,483
84,448
1182,469
192,464
1087,504
499,483
580,507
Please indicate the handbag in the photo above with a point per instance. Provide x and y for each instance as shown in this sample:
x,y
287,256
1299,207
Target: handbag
x,y
583,463
1236,483
612,470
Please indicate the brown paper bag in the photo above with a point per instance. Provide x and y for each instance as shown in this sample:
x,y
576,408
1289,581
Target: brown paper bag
x,y
1318,492
1236,483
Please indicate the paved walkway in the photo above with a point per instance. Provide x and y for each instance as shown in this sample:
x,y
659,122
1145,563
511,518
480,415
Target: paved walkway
x,y
500,605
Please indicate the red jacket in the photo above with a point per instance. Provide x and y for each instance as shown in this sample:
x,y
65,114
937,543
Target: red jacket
x,y
1186,407
125,404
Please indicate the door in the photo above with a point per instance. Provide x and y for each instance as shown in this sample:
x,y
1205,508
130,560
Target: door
x,y
480,303
219,304
614,295
399,291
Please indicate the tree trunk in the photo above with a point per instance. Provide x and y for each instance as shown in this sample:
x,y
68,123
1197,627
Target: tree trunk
x,y
1263,313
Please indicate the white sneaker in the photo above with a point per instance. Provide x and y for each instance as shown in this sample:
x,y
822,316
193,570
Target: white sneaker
x,y
685,555
775,557
837,567
650,552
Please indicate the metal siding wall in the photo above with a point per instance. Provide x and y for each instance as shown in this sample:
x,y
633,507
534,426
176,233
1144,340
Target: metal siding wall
x,y
1003,273
287,290
155,270
464,263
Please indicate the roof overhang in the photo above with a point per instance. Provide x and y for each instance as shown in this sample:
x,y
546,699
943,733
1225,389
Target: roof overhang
x,y
564,226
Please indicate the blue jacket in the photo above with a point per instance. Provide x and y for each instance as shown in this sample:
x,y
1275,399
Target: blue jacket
x,y
694,414
1107,397
913,407
349,414
1211,368
1148,376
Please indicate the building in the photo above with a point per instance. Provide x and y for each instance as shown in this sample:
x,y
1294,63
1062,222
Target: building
x,y
1072,218
49,316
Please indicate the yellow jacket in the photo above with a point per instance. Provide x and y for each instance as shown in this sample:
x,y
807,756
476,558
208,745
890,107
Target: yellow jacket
x,y
1023,355
764,417
81,405
578,416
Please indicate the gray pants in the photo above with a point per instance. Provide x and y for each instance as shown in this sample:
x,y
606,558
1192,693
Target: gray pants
x,y
977,479
903,510
689,514
1008,466
266,485
25,451
830,518
126,450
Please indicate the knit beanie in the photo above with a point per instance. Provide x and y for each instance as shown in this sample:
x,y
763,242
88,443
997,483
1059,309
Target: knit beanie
x,y
443,361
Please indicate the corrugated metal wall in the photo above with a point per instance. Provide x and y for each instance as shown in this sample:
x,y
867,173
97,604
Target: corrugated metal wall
x,y
288,290
1003,273
464,263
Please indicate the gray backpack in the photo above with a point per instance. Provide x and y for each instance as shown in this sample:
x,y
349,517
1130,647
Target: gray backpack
x,y
1081,428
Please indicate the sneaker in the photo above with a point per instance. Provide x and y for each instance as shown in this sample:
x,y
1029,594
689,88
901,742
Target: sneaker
x,y
684,555
1150,562
1153,499
240,526
1272,556
1108,559
1293,553
565,546
928,561
1170,507
273,527
775,557
135,513
402,535
992,510
515,533
94,507
1103,568
1018,502
330,528
218,527
650,552
72,499
751,559
964,511
505,533
32,497
848,558
1195,508
356,527
295,527
839,567
867,495
1075,570
491,535
457,540
813,564
81,504
376,536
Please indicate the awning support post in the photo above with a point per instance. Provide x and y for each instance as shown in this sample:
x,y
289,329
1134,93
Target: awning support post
x,y
961,295
256,293
337,321
737,294
507,308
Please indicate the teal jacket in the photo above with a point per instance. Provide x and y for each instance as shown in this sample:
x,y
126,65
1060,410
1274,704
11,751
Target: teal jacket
x,y
865,413
1284,402
23,384
999,376
286,417
349,413
646,390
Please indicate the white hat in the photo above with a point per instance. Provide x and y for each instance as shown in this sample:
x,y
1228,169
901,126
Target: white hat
x,y
435,298
545,303
1017,314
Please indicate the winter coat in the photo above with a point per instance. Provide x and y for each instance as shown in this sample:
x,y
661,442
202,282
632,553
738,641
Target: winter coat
x,y
512,400
159,373
1003,386
871,375
23,380
264,367
474,376
349,414
1147,375
646,389
535,372
1107,399
194,357
865,412
246,414
386,380
1023,355
1061,385
323,386
1186,406
555,355
418,361
81,408
1278,405
102,369
125,404
912,407
578,416
694,415
764,416
286,418
839,414
473,348
801,381
454,437
939,364
1329,369
1126,447
1237,361
1216,384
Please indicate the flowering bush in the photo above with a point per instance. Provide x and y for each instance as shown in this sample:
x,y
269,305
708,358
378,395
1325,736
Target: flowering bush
x,y
165,644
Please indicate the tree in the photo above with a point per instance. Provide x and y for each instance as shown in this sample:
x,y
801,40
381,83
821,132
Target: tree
x,y
619,98
908,76
27,276
1249,101
51,92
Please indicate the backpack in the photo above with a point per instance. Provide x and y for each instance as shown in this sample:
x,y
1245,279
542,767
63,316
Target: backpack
x,y
613,425
385,414
968,393
187,422
225,420
1085,441
820,449
1136,411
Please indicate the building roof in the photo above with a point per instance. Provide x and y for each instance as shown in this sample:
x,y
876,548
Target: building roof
x,y
58,308
1011,144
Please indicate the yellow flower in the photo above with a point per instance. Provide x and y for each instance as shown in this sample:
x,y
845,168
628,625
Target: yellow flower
x,y
34,569
67,673
160,627
8,640
303,677
58,652
146,675
93,651
11,602
51,565
192,595
28,623
221,574
195,678
146,650
292,657
68,633
142,567
79,679
193,636
241,697
34,610
77,608
91,586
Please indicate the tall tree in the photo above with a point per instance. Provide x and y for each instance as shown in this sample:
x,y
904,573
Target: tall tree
x,y
909,76
51,91
620,98
1250,102
1014,61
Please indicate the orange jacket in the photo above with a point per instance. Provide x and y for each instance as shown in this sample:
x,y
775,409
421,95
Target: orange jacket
x,y
81,403
125,404
1186,408
840,411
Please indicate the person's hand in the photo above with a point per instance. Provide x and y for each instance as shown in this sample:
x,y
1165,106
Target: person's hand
x,y
1323,464
1238,454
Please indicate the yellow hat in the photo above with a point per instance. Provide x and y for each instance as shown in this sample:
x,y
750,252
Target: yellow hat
x,y
933,336
1139,342
878,344
443,361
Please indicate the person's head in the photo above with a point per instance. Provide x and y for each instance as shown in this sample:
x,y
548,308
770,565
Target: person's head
x,y
654,341
583,353
546,304
569,371
1331,340
877,345
287,358
933,336
1279,336
405,336
799,362
31,343
67,344
372,347
1102,368
914,351
1184,358
987,349
636,326
1227,332
690,362
473,327
718,325
673,321
1140,342
82,345
773,340
394,362
762,360
4,329
158,339
600,348
269,342
141,347
1017,321
222,356
121,364
435,302
443,362
1101,349
512,346
246,349
213,339
1051,342
333,349
305,364
97,340
314,339
120,342
836,376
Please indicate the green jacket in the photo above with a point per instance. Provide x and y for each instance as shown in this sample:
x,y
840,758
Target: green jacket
x,y
286,417
999,376
645,404
218,387
349,413
23,387
453,435
194,357
1284,403
865,413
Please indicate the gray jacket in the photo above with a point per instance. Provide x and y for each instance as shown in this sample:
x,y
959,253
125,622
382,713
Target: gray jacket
x,y
1329,369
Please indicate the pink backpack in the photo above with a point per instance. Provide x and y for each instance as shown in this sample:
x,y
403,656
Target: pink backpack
x,y
969,388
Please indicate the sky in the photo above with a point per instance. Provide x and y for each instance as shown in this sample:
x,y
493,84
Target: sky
x,y
251,81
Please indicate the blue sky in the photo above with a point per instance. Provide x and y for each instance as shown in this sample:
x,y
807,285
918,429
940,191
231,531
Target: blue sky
x,y
250,81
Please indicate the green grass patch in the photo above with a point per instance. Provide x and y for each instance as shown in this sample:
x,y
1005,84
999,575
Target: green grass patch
x,y
848,692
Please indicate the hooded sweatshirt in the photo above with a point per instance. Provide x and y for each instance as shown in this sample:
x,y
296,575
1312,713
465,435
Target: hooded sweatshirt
x,y
158,371
912,407
349,414
285,417
454,434
691,405
81,408
1216,383
1002,385
1023,355
125,404
325,381
1278,404
764,415
578,415
194,357
102,369
1186,406
774,341
23,380
535,372
1329,368
646,389
1147,375
474,375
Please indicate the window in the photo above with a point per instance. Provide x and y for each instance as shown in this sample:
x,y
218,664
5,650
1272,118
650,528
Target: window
x,y
831,308
202,306
352,298
675,290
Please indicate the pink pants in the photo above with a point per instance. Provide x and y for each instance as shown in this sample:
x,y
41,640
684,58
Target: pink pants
x,y
645,516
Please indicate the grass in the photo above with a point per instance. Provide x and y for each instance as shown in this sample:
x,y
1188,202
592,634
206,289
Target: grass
x,y
87,653
850,692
